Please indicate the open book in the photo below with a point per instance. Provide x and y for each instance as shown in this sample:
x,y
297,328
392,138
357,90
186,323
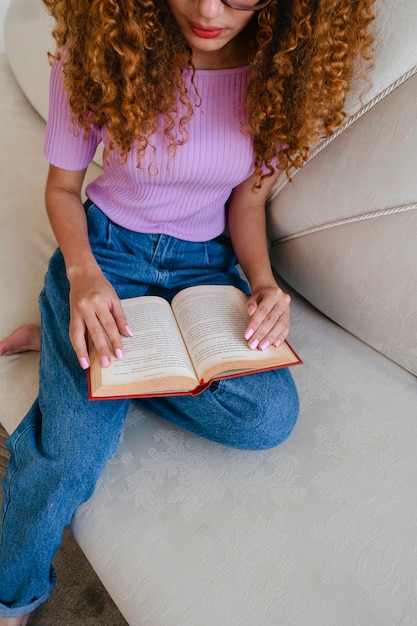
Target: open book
x,y
180,348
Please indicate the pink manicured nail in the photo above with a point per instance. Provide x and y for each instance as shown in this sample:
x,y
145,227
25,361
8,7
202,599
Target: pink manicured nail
x,y
264,345
118,353
84,363
104,361
254,344
277,343
129,331
249,333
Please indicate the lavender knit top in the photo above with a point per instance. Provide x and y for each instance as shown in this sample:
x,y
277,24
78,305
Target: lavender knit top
x,y
181,194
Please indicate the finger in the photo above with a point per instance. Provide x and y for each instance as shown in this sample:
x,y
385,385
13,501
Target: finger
x,y
273,339
105,322
99,339
257,309
272,331
282,329
277,310
110,327
114,323
268,312
78,341
121,320
103,332
252,304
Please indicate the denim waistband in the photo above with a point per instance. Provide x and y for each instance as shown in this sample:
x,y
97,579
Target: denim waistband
x,y
222,238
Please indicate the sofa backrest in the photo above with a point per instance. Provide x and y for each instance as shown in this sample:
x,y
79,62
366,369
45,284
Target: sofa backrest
x,y
344,233
27,36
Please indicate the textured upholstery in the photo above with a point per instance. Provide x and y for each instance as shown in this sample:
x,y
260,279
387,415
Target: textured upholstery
x,y
344,235
342,232
28,38
320,531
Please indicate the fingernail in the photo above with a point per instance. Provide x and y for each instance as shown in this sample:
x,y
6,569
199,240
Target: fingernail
x,y
264,345
129,331
254,344
84,363
277,343
118,353
104,361
249,333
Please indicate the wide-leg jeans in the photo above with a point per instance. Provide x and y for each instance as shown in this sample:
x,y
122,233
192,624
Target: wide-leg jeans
x,y
61,447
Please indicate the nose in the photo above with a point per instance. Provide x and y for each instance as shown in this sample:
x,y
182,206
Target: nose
x,y
210,9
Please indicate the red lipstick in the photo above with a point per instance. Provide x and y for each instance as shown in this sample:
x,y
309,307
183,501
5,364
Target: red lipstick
x,y
206,32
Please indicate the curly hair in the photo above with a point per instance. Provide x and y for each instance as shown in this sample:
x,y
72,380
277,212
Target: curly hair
x,y
123,65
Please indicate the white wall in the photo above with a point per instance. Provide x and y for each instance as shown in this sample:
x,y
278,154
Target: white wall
x,y
3,8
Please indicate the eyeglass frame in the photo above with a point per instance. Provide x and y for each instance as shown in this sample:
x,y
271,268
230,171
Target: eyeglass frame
x,y
256,7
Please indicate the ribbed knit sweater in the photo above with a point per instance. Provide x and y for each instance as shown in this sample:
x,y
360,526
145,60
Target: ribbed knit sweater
x,y
181,194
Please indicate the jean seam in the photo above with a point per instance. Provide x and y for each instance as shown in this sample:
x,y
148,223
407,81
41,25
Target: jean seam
x,y
11,446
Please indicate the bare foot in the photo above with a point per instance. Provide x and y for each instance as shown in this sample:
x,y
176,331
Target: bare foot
x,y
14,621
22,339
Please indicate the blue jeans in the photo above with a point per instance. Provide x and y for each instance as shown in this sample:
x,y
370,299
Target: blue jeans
x,y
61,447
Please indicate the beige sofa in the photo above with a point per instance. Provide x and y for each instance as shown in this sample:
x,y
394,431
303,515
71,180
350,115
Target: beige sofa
x,y
321,531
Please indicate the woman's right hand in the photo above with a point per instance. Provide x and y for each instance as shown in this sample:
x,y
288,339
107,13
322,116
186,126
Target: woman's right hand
x,y
95,308
94,304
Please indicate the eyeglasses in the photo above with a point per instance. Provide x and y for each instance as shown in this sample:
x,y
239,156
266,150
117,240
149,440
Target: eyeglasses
x,y
246,6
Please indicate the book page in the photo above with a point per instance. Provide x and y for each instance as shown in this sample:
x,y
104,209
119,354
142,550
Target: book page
x,y
213,321
156,348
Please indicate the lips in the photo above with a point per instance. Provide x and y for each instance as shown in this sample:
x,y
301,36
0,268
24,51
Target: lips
x,y
206,32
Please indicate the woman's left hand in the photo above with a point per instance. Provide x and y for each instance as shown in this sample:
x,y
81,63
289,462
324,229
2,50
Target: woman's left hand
x,y
269,310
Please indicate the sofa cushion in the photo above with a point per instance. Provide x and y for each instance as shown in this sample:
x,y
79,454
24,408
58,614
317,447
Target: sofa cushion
x,y
319,531
344,231
26,238
27,36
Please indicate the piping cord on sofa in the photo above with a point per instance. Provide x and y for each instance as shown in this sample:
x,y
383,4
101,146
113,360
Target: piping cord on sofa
x,y
348,122
348,220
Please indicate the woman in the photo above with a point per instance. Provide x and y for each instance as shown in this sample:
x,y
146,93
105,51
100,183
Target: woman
x,y
198,104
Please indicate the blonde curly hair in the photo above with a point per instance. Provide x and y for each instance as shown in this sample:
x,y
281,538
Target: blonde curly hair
x,y
124,59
